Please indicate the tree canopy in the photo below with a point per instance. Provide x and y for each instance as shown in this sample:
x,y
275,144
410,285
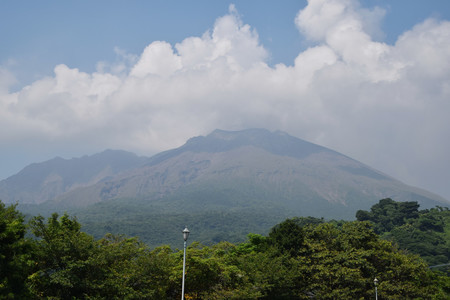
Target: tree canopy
x,y
15,253
300,258
424,232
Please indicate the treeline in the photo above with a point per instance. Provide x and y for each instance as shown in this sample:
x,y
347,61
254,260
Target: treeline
x,y
424,232
300,258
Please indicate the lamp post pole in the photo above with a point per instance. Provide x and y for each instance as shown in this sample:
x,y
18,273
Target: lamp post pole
x,y
185,237
375,282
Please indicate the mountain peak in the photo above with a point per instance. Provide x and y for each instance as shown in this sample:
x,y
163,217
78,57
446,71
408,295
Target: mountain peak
x,y
278,143
230,135
222,167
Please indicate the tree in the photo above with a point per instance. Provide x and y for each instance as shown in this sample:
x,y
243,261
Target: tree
x,y
425,232
287,237
387,214
341,262
213,273
301,258
72,265
127,269
64,269
15,253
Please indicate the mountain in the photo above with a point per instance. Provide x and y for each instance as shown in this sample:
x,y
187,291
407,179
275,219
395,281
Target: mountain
x,y
45,181
225,184
232,169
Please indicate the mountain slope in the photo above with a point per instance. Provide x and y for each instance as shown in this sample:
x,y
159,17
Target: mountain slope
x,y
253,166
223,185
45,181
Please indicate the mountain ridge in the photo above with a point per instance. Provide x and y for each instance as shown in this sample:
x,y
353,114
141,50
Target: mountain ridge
x,y
40,182
253,164
226,140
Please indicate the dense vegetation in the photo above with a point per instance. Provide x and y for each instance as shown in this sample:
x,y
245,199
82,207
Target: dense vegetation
x,y
424,232
157,225
300,258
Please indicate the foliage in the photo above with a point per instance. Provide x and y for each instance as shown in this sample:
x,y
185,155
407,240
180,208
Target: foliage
x,y
127,269
387,214
424,232
15,253
64,269
341,263
72,265
325,262
300,258
156,227
287,236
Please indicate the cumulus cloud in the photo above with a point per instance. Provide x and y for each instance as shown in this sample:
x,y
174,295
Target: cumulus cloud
x,y
385,105
341,25
231,41
157,59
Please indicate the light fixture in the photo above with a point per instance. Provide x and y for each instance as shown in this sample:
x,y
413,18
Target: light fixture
x,y
185,237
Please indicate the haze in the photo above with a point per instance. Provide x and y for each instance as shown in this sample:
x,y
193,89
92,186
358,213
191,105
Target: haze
x,y
370,80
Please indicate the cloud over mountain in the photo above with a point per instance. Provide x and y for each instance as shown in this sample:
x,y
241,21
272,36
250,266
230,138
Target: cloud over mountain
x,y
386,105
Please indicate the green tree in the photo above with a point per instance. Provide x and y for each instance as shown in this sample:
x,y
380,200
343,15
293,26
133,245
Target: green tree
x,y
424,232
287,236
299,259
212,273
332,262
387,214
72,265
63,269
125,268
15,253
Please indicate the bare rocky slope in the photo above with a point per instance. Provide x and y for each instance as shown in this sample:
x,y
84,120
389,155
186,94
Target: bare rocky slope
x,y
41,182
223,186
222,171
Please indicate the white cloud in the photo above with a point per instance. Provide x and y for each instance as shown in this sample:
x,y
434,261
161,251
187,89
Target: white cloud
x,y
342,25
319,16
231,42
157,59
385,105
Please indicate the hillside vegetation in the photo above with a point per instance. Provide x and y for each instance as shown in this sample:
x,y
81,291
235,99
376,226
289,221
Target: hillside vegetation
x,y
300,258
424,232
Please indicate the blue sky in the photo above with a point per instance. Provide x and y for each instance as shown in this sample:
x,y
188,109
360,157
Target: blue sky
x,y
369,79
41,34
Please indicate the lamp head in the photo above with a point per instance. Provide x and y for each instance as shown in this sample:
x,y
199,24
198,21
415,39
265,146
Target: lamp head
x,y
185,234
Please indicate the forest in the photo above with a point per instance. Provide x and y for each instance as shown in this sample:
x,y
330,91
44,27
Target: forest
x,y
300,258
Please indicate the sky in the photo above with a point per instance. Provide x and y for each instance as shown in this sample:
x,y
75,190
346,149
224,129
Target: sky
x,y
369,79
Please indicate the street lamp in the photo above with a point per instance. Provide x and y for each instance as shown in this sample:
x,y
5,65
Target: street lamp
x,y
185,237
375,282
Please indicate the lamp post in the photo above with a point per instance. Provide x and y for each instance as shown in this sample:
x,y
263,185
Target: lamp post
x,y
185,237
375,282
